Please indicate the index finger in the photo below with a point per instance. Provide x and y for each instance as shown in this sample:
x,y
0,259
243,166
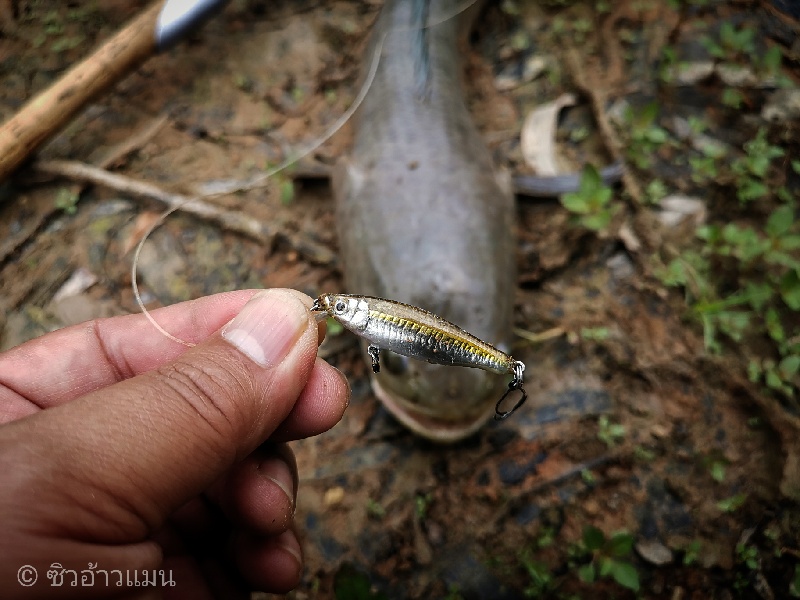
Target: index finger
x,y
69,363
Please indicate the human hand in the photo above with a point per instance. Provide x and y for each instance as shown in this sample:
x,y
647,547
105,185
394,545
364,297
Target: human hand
x,y
123,449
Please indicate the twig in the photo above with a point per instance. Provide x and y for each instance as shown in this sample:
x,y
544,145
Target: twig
x,y
542,336
597,97
233,221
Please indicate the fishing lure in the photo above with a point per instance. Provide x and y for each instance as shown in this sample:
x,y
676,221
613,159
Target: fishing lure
x,y
417,333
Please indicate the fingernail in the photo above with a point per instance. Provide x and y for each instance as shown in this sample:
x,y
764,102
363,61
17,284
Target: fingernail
x,y
279,473
288,541
347,385
267,327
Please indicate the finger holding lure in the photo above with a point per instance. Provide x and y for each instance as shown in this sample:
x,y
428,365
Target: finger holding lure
x,y
417,333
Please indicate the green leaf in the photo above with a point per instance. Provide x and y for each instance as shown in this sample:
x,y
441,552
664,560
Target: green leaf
x,y
597,222
593,538
648,115
774,326
732,98
620,544
796,166
287,191
590,180
790,242
754,371
758,294
782,258
731,504
710,335
773,380
780,221
350,584
771,62
538,572
789,366
586,573
751,189
691,552
606,566
717,471
626,575
575,202
602,196
595,333
675,273
790,290
656,135
733,323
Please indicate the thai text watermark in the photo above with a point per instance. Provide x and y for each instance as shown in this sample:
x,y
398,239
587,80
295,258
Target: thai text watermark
x,y
57,576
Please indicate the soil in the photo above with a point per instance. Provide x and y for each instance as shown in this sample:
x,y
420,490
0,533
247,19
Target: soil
x,y
638,428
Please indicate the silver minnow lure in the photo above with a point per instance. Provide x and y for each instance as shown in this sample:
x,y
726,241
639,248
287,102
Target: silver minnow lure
x,y
417,333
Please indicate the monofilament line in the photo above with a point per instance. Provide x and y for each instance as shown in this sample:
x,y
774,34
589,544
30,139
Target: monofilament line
x,y
262,178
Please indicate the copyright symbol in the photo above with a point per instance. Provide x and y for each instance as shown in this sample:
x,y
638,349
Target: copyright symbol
x,y
27,575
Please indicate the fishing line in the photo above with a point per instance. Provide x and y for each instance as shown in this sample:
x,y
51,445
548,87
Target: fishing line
x,y
261,179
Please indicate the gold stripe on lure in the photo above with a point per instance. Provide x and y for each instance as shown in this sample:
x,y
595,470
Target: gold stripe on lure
x,y
417,333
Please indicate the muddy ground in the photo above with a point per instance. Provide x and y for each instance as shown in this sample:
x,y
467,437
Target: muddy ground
x,y
633,424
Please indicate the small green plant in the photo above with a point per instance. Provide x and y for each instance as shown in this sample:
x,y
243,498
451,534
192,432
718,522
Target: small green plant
x,y
744,282
541,580
733,44
748,555
592,202
351,584
578,134
691,553
375,509
67,200
732,504
422,503
770,64
643,454
606,558
546,538
706,168
66,43
646,136
669,60
609,433
588,477
655,191
751,170
717,471
732,98
597,334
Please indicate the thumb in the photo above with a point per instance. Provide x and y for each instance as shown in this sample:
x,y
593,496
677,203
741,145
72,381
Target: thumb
x,y
116,462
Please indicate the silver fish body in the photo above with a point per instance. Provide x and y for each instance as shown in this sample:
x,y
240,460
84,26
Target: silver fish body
x,y
424,218
414,332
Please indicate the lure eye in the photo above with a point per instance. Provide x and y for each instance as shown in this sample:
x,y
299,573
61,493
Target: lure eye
x,y
339,307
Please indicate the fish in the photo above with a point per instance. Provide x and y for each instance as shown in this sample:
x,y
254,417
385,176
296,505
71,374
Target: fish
x,y
424,218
